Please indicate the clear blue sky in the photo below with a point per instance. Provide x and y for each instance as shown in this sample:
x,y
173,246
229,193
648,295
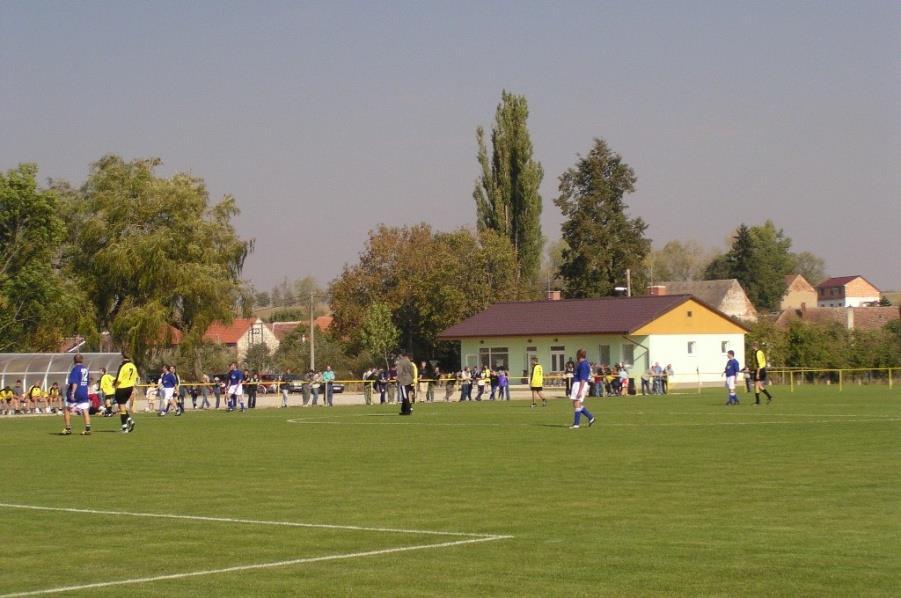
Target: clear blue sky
x,y
324,119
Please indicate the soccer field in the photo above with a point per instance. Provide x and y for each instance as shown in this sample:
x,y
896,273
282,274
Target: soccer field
x,y
664,495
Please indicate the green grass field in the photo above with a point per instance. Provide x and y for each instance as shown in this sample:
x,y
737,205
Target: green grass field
x,y
664,495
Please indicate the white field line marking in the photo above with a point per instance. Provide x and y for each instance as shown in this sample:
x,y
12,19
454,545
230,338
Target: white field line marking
x,y
601,423
374,416
259,522
317,559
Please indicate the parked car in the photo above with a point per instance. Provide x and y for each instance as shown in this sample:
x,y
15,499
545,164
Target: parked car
x,y
295,382
268,384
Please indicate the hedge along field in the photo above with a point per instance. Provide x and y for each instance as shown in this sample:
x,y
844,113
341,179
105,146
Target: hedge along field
x,y
675,495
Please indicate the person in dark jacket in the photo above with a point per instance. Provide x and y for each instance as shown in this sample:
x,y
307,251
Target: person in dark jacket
x,y
405,384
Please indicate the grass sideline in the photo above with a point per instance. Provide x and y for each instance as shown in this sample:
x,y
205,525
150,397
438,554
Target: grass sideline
x,y
664,495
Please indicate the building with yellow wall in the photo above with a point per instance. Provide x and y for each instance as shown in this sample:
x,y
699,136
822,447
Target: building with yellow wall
x,y
679,330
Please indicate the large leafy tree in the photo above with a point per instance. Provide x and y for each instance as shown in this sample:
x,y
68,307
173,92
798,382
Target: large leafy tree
x,y
678,261
811,266
258,358
293,354
38,303
379,334
157,254
759,259
602,242
506,193
428,280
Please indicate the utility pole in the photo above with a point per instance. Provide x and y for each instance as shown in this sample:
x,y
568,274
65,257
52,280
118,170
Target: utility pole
x,y
628,282
312,337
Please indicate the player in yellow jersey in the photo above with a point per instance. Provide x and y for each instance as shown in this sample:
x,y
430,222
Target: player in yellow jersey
x,y
759,361
53,397
108,391
36,396
8,403
124,385
536,382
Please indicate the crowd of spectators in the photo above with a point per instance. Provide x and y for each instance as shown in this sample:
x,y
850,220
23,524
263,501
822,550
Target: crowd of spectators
x,y
16,400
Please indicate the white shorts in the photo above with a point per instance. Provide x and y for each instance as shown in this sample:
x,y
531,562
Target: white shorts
x,y
730,383
236,389
575,395
78,407
168,393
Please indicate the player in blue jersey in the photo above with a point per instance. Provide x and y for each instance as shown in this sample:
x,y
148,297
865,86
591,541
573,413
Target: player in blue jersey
x,y
77,397
169,385
732,369
235,388
580,383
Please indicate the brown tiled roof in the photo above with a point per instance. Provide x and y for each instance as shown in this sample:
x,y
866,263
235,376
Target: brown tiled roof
x,y
814,315
228,334
282,329
838,281
712,292
861,318
323,322
608,315
874,318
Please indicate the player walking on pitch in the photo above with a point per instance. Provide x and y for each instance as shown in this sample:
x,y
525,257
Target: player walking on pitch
x,y
760,375
580,385
235,388
731,372
536,383
124,385
77,397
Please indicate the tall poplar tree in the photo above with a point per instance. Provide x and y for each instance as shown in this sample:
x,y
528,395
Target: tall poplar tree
x,y
506,193
602,242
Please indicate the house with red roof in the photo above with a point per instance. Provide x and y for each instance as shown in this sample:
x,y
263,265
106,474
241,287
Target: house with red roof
x,y
242,334
847,291
282,329
680,330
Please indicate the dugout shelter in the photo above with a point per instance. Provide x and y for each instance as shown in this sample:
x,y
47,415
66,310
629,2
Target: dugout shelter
x,y
47,368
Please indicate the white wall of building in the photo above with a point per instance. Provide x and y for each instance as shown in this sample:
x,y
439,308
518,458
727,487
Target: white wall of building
x,y
848,301
258,332
707,360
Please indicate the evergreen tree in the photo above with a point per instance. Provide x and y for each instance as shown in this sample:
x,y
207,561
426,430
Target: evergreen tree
x,y
506,194
759,259
601,241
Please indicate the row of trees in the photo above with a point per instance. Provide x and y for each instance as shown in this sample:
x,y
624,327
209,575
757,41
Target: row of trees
x,y
600,242
828,345
144,256
429,280
141,256
290,294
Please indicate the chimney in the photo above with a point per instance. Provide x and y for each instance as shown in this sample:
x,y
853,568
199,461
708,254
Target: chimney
x,y
657,290
553,295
